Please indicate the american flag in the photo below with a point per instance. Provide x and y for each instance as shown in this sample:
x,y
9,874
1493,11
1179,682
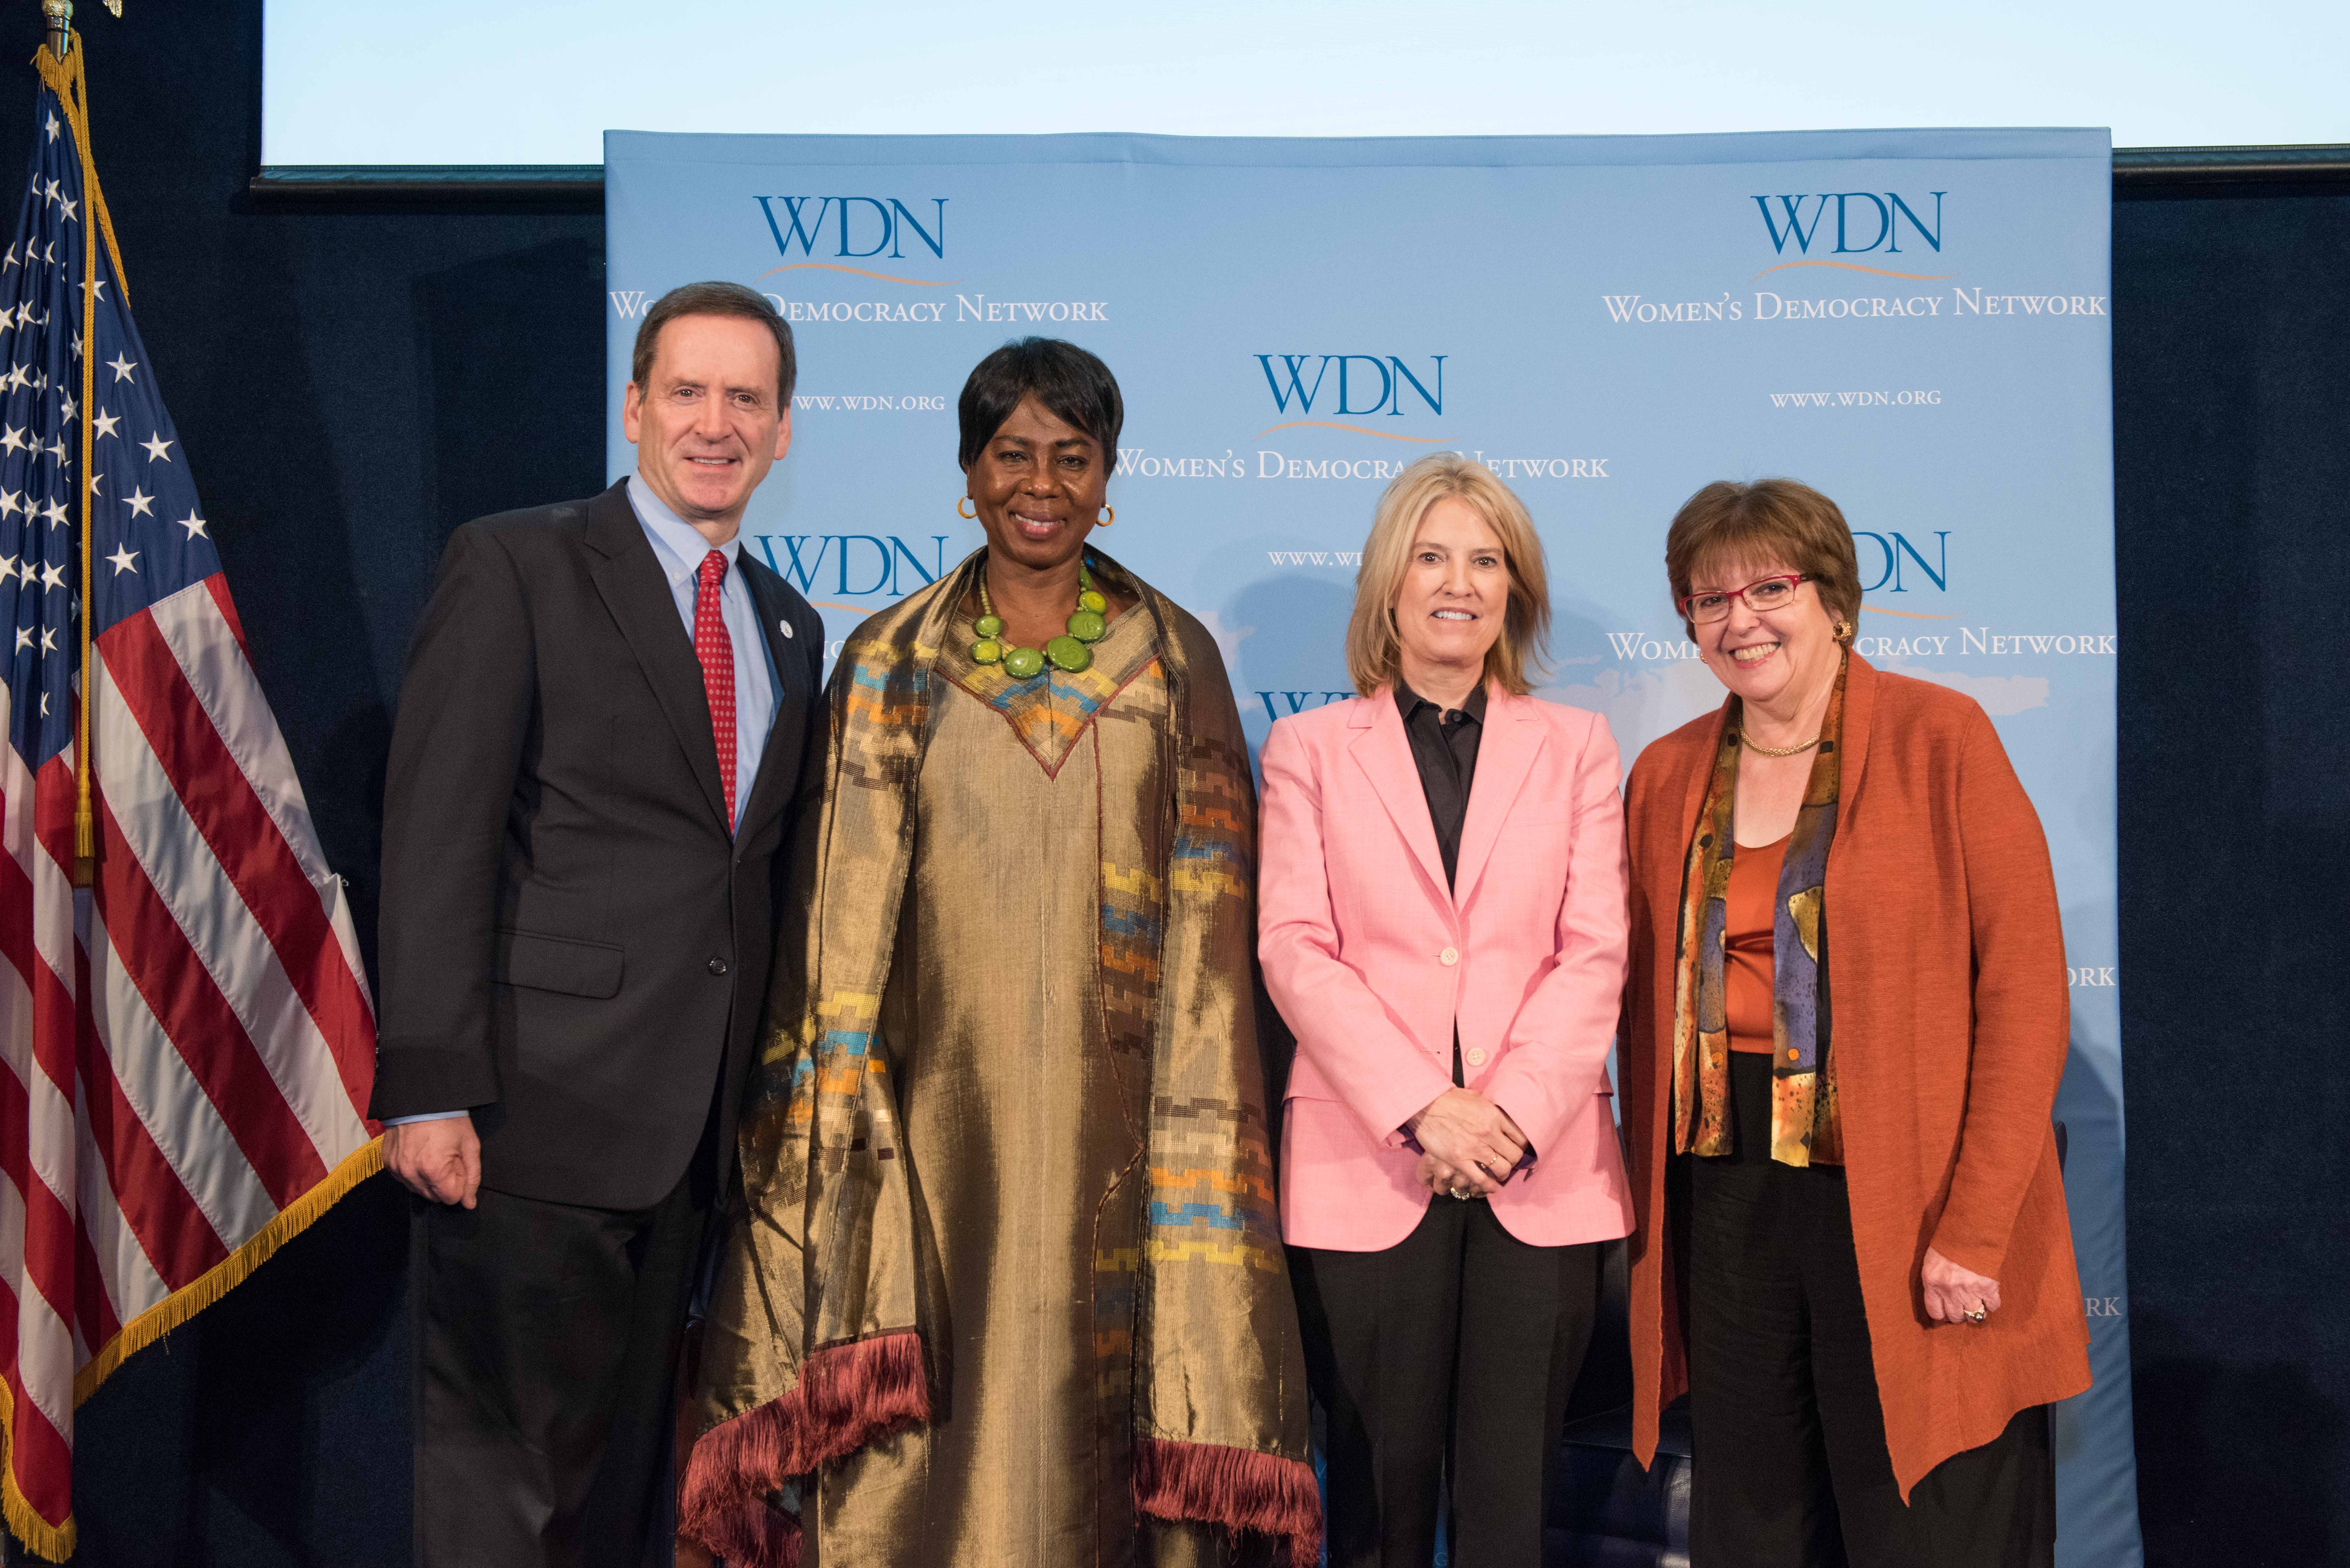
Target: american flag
x,y
189,1043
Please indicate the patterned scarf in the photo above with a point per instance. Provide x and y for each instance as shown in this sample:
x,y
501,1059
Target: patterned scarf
x,y
814,1343
1805,1123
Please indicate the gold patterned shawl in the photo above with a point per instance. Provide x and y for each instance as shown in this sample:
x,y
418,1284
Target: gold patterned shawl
x,y
814,1342
1805,1123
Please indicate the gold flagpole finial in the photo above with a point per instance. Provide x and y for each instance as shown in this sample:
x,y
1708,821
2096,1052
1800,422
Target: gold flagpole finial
x,y
57,14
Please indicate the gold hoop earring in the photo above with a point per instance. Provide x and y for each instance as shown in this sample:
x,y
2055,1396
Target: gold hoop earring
x,y
1844,630
966,515
1100,522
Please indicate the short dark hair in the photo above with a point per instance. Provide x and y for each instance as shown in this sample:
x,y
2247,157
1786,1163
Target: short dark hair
x,y
1781,519
716,299
1076,385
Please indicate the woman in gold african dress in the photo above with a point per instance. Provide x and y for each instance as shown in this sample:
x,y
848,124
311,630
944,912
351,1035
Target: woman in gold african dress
x,y
1005,1285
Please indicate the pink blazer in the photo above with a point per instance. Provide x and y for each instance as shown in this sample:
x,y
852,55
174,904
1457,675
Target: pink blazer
x,y
1372,962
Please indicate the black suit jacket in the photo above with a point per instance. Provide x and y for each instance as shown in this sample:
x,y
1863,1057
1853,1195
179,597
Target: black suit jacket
x,y
572,944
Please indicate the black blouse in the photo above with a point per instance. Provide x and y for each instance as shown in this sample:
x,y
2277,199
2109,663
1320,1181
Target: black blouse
x,y
1444,747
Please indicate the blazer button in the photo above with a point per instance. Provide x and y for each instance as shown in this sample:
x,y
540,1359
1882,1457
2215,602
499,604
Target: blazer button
x,y
1476,1054
1449,957
718,966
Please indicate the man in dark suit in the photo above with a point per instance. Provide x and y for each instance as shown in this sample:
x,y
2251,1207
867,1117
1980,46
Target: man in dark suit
x,y
605,712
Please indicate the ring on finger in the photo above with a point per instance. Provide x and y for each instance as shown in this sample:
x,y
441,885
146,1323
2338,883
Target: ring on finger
x,y
1981,1313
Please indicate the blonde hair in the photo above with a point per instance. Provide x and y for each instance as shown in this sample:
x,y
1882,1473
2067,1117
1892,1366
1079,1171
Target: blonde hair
x,y
1374,654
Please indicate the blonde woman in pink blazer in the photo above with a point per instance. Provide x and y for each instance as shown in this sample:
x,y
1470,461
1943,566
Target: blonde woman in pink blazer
x,y
1441,920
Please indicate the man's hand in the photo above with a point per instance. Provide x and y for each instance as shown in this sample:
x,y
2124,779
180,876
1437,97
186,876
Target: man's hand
x,y
439,1160
1472,1136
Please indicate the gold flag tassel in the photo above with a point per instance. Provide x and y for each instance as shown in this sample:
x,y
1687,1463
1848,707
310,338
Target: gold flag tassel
x,y
60,62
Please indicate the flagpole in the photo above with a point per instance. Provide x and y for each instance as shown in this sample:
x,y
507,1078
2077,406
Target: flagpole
x,y
66,81
75,92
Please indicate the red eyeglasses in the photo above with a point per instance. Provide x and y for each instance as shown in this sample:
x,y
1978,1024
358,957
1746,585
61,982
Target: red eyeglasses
x,y
1762,594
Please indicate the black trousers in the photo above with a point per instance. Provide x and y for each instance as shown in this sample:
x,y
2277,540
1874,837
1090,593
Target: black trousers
x,y
546,1342
1789,1464
1454,1350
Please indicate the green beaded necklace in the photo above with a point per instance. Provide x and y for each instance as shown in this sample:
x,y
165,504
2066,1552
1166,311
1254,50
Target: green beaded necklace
x,y
1068,651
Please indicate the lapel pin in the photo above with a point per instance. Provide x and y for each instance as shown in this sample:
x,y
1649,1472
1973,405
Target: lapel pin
x,y
785,627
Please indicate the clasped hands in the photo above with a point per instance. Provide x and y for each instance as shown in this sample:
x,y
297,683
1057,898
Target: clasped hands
x,y
1469,1144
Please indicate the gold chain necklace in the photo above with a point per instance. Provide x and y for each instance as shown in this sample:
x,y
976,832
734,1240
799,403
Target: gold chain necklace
x,y
1746,740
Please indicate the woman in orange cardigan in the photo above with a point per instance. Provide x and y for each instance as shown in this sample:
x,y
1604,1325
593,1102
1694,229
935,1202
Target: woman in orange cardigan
x,y
1842,1034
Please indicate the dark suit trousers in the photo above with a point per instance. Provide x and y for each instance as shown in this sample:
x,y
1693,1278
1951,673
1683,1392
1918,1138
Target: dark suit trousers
x,y
1790,1468
1454,1350
546,1349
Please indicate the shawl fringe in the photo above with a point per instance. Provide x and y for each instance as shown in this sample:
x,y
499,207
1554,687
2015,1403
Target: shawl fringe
x,y
847,1396
1235,1488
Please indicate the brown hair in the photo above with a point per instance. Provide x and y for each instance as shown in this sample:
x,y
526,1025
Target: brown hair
x,y
1373,652
716,299
1782,520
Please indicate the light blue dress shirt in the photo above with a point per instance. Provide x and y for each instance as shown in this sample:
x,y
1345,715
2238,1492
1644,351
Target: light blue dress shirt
x,y
679,551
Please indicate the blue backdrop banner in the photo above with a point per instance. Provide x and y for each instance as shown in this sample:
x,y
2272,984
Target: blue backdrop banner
x,y
1915,322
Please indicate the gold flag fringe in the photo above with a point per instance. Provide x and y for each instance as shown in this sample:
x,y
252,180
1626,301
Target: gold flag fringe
x,y
228,1274
56,1541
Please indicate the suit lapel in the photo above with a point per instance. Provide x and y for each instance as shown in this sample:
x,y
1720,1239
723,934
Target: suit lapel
x,y
770,787
628,576
1505,755
1383,751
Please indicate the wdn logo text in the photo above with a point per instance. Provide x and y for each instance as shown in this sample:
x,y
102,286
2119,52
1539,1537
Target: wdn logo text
x,y
1880,220
1281,704
887,222
1895,549
885,558
1358,376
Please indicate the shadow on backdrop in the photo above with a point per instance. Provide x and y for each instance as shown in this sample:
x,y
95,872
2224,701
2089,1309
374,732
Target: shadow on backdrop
x,y
1293,656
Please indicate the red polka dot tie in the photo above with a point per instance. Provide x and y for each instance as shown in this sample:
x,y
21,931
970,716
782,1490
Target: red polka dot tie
x,y
716,651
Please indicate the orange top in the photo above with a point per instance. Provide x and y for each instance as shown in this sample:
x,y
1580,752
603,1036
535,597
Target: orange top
x,y
1946,974
1746,943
